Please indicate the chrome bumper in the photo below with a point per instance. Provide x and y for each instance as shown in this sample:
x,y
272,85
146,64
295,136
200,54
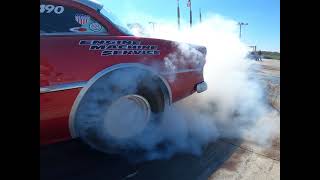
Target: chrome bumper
x,y
201,87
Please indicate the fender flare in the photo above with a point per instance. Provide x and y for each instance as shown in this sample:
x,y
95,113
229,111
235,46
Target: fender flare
x,y
164,86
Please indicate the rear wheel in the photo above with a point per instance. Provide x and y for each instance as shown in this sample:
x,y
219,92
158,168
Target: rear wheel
x,y
123,125
118,108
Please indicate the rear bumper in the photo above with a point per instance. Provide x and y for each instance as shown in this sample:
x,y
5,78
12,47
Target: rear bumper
x,y
201,87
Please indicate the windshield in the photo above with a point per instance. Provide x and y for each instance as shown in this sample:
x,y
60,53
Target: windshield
x,y
113,19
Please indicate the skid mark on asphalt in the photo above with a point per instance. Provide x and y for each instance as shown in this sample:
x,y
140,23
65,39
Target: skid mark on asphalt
x,y
73,160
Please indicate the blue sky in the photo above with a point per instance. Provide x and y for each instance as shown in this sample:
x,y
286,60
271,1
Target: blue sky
x,y
263,16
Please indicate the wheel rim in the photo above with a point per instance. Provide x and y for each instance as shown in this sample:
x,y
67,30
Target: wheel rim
x,y
127,116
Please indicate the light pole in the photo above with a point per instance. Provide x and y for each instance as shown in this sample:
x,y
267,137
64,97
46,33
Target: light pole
x,y
178,14
200,16
189,5
153,23
241,24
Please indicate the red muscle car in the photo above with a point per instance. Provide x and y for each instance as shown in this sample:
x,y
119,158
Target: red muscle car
x,y
85,51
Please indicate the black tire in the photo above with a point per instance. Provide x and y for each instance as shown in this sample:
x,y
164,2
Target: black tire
x,y
95,102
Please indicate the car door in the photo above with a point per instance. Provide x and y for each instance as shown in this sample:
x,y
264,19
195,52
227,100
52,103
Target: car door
x,y
64,65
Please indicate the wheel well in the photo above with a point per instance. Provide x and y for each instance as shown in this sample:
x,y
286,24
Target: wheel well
x,y
163,84
156,78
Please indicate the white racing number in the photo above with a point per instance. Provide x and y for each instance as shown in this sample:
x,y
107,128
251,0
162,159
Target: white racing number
x,y
51,8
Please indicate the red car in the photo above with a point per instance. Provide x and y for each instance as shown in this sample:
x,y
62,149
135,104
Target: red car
x,y
86,54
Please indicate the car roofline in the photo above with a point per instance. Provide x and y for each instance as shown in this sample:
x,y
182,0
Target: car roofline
x,y
97,6
91,3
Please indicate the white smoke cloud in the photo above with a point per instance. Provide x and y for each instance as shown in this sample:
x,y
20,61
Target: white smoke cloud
x,y
234,106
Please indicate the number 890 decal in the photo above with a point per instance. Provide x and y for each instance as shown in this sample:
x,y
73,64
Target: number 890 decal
x,y
51,9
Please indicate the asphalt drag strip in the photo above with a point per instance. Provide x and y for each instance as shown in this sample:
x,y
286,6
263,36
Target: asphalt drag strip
x,y
75,161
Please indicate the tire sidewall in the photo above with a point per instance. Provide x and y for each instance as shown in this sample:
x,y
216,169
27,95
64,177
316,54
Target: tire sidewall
x,y
147,86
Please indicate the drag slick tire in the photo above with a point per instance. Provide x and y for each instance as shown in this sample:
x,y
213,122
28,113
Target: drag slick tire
x,y
118,107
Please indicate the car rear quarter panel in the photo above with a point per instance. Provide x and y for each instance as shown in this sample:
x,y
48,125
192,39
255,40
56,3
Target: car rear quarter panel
x,y
63,60
55,108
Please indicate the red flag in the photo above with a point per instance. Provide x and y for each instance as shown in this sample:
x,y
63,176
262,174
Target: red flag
x,y
189,3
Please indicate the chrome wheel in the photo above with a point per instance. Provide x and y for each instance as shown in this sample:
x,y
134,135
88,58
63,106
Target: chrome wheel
x,y
126,117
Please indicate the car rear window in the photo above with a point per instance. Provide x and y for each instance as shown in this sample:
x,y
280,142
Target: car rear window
x,y
61,19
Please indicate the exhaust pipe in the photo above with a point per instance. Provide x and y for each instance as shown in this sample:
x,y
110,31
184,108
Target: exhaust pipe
x,y
201,87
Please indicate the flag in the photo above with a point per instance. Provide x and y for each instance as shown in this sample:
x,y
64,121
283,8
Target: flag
x,y
189,3
82,18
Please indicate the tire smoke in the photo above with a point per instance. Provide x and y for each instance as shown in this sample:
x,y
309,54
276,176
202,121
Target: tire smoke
x,y
234,106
